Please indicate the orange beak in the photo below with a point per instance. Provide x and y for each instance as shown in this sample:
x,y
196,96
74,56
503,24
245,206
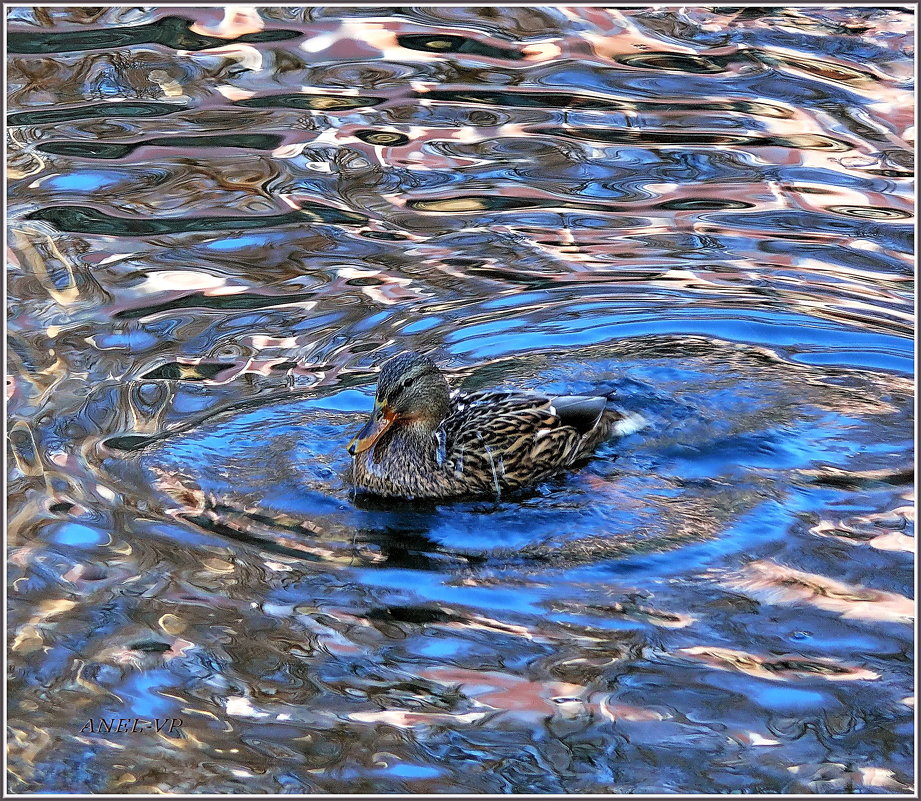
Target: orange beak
x,y
381,419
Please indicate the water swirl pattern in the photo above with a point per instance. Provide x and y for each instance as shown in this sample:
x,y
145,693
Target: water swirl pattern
x,y
221,221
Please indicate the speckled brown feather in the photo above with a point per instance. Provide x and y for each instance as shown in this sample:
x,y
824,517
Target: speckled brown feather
x,y
490,442
517,436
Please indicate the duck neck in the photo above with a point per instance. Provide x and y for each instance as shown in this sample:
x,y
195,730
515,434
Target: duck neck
x,y
408,461
419,439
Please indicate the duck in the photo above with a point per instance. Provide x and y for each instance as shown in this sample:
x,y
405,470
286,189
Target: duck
x,y
425,441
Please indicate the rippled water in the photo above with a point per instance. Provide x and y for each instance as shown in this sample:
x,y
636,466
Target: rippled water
x,y
222,222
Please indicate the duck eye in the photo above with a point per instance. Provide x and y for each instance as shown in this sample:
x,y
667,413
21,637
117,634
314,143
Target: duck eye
x,y
399,388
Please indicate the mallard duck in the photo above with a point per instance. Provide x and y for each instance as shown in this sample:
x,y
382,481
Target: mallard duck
x,y
425,441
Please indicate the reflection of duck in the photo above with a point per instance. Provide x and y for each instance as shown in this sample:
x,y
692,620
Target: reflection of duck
x,y
424,441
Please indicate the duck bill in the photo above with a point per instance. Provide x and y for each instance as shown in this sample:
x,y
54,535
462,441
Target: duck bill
x,y
374,429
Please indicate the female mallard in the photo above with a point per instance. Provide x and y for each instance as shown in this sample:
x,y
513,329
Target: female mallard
x,y
424,441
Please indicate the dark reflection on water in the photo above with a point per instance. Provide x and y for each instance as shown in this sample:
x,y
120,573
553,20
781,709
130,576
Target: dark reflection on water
x,y
172,32
220,223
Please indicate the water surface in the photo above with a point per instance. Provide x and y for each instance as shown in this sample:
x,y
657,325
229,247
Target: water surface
x,y
222,222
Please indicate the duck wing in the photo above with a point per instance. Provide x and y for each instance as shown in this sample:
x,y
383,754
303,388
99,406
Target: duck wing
x,y
514,438
582,412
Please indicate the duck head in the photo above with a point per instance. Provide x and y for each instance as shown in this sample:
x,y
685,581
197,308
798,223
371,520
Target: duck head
x,y
411,394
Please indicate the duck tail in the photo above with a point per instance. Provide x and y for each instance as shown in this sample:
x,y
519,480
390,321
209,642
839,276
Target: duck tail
x,y
627,423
